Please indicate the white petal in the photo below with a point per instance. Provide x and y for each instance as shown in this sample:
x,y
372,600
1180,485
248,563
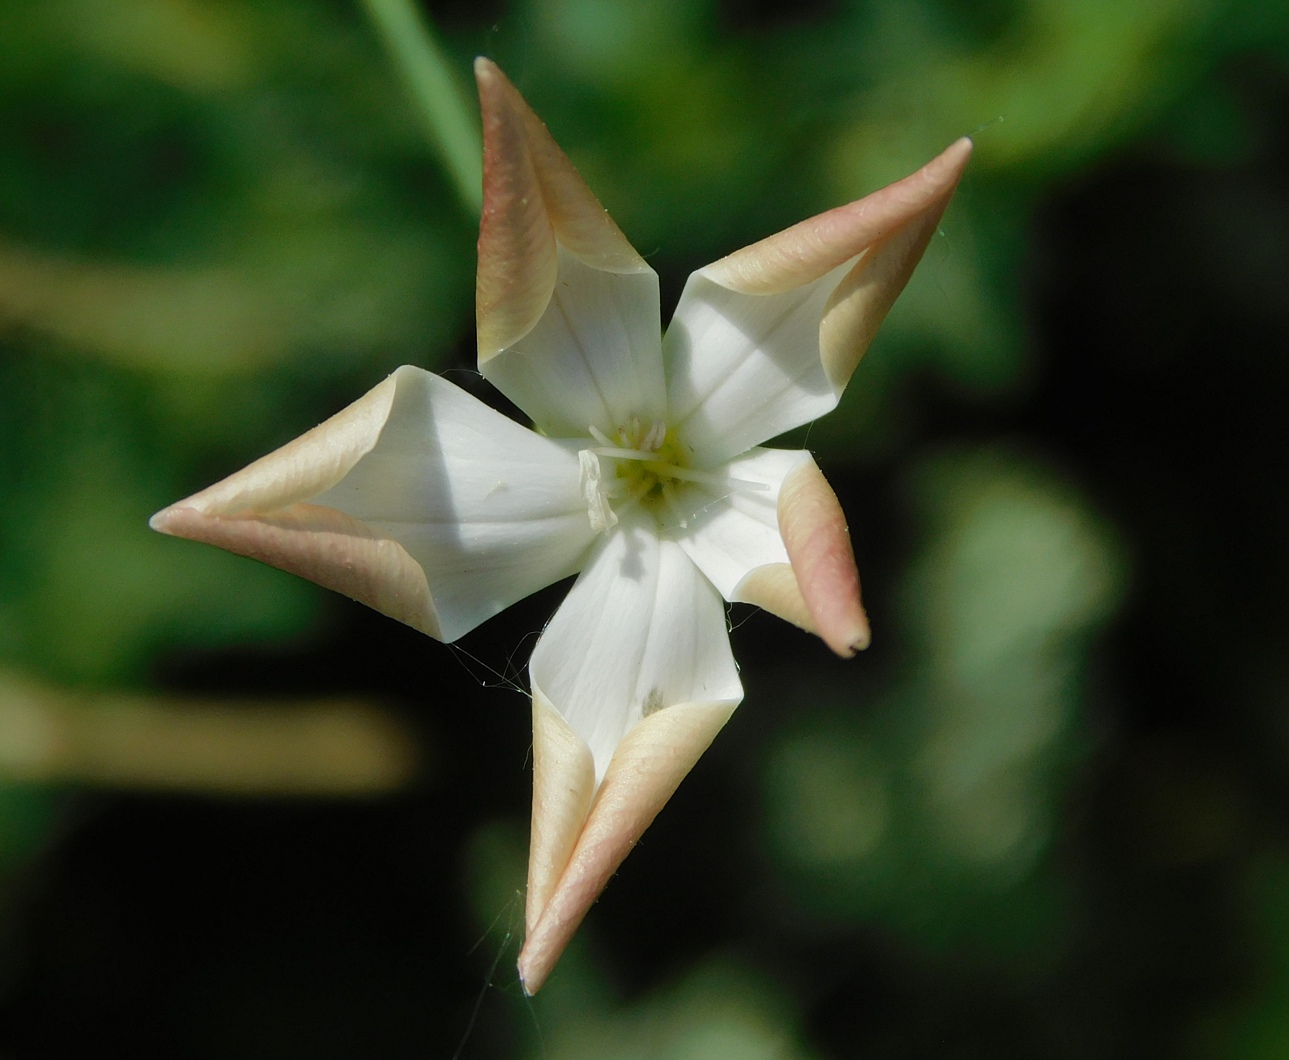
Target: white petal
x,y
743,368
641,630
491,511
594,357
729,537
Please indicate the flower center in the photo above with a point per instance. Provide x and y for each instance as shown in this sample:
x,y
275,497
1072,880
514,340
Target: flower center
x,y
646,464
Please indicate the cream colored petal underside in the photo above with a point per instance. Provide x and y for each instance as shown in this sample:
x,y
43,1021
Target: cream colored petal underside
x,y
861,301
817,540
773,587
305,467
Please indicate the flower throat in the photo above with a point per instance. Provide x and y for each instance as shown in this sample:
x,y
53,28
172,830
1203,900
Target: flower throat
x,y
650,465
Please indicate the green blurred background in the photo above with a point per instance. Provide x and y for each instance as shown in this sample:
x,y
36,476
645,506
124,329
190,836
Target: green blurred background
x,y
1045,815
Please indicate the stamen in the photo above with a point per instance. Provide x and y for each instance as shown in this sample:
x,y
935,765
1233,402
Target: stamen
x,y
657,434
624,454
716,481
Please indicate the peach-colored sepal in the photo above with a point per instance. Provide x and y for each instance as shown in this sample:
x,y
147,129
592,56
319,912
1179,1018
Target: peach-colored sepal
x,y
814,533
328,547
812,248
563,784
647,767
532,197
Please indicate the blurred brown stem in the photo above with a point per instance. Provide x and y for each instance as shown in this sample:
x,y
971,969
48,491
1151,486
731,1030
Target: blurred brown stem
x,y
201,746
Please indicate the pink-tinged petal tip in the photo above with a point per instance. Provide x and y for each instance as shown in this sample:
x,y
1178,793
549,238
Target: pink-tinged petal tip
x,y
322,545
815,535
811,248
533,198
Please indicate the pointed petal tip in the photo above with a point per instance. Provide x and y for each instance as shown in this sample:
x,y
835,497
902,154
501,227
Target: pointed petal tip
x,y
488,76
817,541
855,640
954,158
811,248
160,520
173,519
535,964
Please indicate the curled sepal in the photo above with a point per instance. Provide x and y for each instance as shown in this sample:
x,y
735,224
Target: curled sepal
x,y
818,545
647,767
417,500
735,539
783,547
767,338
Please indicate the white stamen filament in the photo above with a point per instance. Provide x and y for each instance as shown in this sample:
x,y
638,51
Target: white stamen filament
x,y
715,480
668,470
625,454
657,434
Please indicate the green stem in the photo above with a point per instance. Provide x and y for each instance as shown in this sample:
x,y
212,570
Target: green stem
x,y
450,120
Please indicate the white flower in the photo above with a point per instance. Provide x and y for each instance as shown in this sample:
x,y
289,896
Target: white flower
x,y
645,474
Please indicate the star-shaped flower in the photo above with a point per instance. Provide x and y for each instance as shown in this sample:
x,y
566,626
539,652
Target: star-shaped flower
x,y
645,475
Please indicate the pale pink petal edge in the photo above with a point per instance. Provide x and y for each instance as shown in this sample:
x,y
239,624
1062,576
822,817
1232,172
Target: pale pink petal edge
x,y
817,540
811,248
323,545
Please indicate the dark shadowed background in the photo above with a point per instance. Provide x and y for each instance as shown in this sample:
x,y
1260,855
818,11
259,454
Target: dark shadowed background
x,y
1045,815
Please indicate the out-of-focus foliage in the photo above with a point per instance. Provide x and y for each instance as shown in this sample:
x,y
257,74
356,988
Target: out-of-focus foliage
x,y
1042,816
931,805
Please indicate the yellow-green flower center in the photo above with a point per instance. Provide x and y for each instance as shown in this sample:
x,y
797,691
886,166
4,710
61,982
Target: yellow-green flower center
x,y
651,474
645,464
